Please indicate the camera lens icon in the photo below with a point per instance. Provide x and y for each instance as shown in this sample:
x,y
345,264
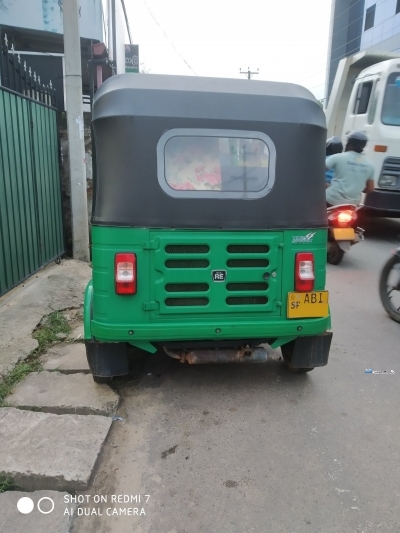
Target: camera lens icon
x,y
25,505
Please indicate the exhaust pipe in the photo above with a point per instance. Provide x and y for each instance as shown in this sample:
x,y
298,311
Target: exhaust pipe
x,y
230,355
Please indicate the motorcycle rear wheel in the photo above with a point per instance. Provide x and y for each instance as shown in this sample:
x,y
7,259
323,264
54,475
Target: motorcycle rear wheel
x,y
384,294
335,253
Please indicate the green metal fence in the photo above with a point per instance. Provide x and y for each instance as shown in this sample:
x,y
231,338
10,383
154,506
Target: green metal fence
x,y
31,224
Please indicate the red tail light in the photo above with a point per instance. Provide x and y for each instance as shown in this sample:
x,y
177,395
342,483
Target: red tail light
x,y
342,219
304,273
125,273
345,217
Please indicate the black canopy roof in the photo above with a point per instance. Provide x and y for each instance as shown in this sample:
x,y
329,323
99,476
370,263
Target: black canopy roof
x,y
132,111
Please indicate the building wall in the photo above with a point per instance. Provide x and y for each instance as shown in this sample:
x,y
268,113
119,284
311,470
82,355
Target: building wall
x,y
345,35
348,35
385,34
47,15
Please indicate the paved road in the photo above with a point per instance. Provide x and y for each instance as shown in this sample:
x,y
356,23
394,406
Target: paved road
x,y
236,449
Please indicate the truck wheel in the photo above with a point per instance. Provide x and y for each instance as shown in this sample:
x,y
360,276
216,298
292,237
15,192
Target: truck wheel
x,y
335,253
287,354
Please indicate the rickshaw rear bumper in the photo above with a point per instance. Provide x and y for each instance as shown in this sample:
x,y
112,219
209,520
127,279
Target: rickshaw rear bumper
x,y
207,330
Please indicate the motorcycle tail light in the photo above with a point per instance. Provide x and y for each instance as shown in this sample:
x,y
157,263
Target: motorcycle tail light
x,y
304,272
342,219
345,217
125,273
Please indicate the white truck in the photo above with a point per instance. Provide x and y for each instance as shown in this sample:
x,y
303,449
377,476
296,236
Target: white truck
x,y
366,97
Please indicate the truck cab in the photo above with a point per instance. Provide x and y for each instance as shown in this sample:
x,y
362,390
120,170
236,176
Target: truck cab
x,y
366,97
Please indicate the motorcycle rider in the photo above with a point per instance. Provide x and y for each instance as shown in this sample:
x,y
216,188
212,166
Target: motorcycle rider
x,y
353,173
333,146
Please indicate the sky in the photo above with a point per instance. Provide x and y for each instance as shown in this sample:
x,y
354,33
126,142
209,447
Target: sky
x,y
287,40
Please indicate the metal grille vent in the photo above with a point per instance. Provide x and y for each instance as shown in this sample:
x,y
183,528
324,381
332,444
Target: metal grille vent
x,y
392,164
185,302
187,249
186,287
187,263
248,248
251,263
247,286
247,300
390,170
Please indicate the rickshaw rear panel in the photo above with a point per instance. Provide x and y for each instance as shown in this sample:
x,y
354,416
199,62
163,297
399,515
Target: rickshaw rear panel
x,y
213,192
146,316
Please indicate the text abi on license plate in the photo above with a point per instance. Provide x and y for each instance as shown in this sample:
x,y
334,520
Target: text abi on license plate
x,y
308,304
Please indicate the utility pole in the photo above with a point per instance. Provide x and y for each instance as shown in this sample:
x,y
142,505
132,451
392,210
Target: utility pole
x,y
248,73
73,91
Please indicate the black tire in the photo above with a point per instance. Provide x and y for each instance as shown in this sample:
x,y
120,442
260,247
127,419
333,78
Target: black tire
x,y
335,253
287,354
102,379
107,360
383,289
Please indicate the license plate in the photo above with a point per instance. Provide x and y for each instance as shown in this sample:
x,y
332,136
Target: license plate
x,y
344,234
308,304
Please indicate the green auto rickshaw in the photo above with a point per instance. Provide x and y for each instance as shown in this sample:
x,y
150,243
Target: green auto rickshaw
x,y
209,223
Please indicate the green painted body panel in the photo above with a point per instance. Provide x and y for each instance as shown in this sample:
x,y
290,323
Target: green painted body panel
x,y
156,314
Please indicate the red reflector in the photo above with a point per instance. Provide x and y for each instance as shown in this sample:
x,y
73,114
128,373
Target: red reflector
x,y
380,148
125,273
304,272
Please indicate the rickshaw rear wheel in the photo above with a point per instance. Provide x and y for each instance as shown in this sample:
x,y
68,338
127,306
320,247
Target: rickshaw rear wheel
x,y
335,253
287,354
107,360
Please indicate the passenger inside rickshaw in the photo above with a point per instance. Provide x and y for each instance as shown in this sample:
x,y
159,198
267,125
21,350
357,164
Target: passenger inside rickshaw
x,y
216,163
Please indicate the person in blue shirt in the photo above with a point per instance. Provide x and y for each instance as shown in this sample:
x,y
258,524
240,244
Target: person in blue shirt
x,y
353,173
333,146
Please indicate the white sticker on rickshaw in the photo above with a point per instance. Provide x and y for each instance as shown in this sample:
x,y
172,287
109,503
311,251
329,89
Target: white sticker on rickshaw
x,y
303,238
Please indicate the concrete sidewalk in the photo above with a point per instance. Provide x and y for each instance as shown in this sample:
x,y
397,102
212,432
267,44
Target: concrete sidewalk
x,y
52,289
53,430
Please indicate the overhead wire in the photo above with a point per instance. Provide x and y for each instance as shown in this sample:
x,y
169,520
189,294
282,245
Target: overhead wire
x,y
104,24
311,75
166,36
126,21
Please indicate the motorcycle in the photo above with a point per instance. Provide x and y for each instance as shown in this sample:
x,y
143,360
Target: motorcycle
x,y
389,285
342,231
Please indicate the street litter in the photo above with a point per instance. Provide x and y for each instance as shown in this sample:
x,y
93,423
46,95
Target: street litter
x,y
118,418
370,371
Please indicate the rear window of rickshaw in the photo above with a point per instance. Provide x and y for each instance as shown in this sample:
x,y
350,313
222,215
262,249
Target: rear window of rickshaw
x,y
216,163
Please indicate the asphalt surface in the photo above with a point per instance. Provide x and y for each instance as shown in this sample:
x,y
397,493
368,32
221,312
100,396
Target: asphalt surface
x,y
236,449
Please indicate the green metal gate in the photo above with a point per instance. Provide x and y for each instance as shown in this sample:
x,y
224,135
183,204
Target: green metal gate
x,y
31,224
